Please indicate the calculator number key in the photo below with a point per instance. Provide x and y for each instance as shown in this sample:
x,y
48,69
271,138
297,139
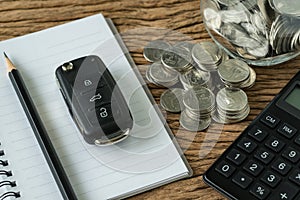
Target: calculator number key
x,y
292,155
236,157
260,191
282,167
264,156
271,179
257,133
253,168
247,145
225,169
275,144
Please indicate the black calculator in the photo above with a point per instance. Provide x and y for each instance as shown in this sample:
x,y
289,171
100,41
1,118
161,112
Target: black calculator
x,y
263,163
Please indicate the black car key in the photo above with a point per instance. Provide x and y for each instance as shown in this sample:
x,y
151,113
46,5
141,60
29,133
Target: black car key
x,y
95,101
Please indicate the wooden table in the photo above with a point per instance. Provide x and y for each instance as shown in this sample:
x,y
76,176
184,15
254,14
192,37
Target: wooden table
x,y
136,20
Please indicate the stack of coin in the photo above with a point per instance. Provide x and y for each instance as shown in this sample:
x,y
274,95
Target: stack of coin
x,y
208,56
154,50
199,103
195,78
236,73
172,100
232,106
177,58
159,75
285,34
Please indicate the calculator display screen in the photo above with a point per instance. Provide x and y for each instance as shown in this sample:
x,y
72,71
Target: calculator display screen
x,y
294,98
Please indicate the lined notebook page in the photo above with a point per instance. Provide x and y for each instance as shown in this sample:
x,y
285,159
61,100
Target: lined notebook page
x,y
147,158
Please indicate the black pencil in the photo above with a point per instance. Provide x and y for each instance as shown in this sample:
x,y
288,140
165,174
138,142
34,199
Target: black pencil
x,y
40,132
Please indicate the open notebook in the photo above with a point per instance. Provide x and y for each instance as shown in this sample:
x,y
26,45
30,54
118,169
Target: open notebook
x,y
147,159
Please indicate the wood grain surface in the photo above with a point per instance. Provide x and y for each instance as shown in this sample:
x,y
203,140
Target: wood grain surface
x,y
140,21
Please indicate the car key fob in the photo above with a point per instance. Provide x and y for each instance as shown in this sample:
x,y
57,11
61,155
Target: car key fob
x,y
95,101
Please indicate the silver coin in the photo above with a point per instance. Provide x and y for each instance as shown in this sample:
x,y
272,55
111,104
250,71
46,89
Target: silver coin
x,y
185,45
206,53
154,50
223,120
172,100
285,34
199,99
176,58
195,78
251,81
228,2
148,76
193,125
212,18
161,76
234,71
231,99
198,115
261,51
289,7
234,16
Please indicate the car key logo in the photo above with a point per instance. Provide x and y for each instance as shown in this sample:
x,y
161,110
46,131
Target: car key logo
x,y
96,97
88,83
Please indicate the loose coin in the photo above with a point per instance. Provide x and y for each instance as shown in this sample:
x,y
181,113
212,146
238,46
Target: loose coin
x,y
154,50
172,100
228,2
289,7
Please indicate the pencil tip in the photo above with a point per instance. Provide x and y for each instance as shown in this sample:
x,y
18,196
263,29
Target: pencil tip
x,y
10,65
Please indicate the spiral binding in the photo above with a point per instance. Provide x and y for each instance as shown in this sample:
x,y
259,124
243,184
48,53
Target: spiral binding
x,y
12,184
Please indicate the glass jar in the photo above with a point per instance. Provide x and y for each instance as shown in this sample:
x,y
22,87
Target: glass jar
x,y
260,32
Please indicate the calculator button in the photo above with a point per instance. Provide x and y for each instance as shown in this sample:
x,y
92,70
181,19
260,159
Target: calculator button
x,y
264,156
253,168
270,120
257,133
286,191
297,140
295,177
86,83
102,115
242,180
291,154
260,191
95,98
236,157
287,130
275,144
247,145
271,179
225,169
281,166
